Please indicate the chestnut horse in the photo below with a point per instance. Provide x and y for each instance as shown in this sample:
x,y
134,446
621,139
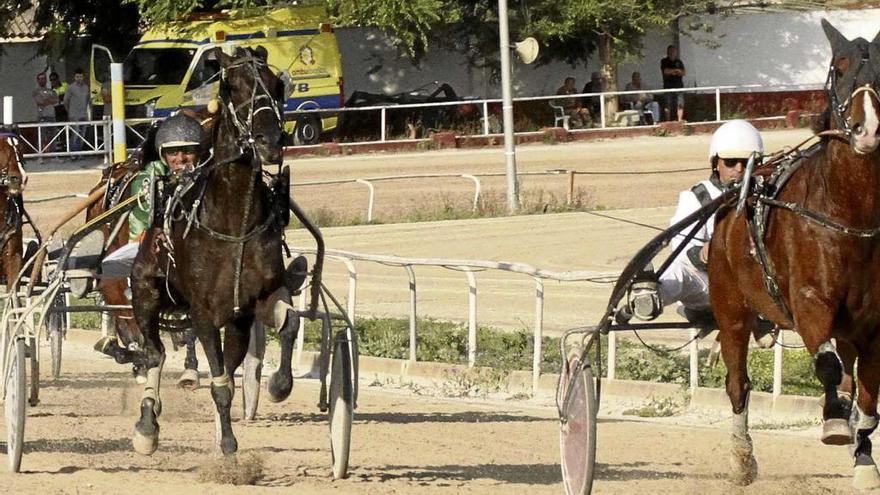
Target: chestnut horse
x,y
812,262
12,181
219,256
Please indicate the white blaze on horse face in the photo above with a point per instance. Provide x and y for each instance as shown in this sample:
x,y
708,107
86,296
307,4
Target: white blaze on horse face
x,y
867,139
13,143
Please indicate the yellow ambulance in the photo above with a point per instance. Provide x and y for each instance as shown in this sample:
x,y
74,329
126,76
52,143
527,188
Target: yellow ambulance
x,y
169,68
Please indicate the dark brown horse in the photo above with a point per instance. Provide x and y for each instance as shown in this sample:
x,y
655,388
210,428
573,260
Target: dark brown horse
x,y
821,245
12,181
117,181
219,255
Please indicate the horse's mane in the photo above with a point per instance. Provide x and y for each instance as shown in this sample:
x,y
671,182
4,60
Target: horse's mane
x,y
822,122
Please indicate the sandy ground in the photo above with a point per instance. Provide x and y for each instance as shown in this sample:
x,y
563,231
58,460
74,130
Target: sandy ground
x,y
78,442
78,438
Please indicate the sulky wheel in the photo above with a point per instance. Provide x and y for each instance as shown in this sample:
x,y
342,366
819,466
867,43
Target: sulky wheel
x,y
55,327
253,369
16,393
577,430
341,406
34,382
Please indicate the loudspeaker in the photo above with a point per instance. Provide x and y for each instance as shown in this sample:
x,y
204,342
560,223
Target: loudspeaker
x,y
527,49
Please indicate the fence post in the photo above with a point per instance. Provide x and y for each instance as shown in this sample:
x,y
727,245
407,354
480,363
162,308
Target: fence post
x,y
352,289
472,317
695,361
476,189
7,110
777,364
602,110
372,195
485,118
570,197
612,355
539,334
718,104
382,123
412,313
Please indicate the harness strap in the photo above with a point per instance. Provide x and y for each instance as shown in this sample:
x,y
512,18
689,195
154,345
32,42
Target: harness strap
x,y
702,194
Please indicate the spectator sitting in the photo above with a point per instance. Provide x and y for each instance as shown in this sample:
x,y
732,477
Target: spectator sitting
x,y
643,102
596,85
579,116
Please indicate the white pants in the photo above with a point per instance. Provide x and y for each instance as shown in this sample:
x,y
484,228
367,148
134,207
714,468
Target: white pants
x,y
683,282
118,263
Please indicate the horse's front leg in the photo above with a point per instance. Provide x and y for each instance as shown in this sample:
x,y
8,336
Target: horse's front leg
x,y
277,312
865,476
222,385
146,297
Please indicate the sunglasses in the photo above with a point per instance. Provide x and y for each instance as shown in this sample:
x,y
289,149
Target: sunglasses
x,y
733,162
192,150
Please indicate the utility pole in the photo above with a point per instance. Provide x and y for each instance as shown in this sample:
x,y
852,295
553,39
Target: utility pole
x,y
507,110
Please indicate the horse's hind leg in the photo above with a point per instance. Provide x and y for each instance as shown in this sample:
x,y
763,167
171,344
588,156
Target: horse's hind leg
x,y
865,475
834,368
189,379
222,386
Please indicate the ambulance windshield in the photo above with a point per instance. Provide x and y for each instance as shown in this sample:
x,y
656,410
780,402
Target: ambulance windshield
x,y
153,66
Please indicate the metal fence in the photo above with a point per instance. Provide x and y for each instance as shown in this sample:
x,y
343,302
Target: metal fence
x,y
470,268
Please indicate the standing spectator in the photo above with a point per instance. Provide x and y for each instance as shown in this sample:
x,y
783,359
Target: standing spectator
x,y
60,88
643,102
596,85
45,99
673,77
579,116
76,103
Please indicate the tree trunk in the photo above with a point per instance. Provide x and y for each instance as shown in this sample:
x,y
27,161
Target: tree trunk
x,y
609,73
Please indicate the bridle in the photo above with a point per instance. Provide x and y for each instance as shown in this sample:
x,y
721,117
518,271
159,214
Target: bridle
x,y
243,125
5,177
840,109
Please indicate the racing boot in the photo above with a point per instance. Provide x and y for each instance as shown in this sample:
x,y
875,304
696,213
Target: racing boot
x,y
701,318
643,297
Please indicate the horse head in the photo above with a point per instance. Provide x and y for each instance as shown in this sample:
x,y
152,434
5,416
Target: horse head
x,y
12,175
251,94
852,88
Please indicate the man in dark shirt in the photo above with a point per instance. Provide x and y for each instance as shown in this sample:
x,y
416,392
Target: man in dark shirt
x,y
673,75
596,85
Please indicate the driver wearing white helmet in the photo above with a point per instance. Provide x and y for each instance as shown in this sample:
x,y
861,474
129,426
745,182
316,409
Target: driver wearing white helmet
x,y
686,279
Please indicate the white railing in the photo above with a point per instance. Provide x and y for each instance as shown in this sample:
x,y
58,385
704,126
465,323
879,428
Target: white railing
x,y
56,139
484,103
475,178
470,267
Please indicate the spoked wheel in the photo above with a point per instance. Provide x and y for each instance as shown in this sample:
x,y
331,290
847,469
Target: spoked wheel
x,y
34,382
56,335
577,429
341,406
253,369
16,392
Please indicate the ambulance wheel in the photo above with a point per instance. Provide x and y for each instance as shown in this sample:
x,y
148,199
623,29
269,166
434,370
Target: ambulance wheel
x,y
307,131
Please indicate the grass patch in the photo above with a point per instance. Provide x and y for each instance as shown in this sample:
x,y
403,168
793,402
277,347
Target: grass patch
x,y
505,351
458,207
658,408
232,470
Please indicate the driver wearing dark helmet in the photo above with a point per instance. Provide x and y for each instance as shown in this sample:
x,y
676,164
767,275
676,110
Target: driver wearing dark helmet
x,y
180,144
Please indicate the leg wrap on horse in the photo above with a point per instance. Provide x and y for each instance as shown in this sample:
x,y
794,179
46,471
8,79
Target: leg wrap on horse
x,y
829,371
744,468
151,388
865,474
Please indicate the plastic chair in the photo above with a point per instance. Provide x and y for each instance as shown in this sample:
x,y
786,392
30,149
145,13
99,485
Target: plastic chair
x,y
559,114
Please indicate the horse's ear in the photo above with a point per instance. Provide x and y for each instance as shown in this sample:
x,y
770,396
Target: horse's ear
x,y
835,39
224,59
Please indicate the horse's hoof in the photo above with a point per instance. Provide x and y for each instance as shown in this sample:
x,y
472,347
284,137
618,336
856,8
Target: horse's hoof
x,y
146,430
836,431
229,446
744,471
189,380
866,477
279,387
143,444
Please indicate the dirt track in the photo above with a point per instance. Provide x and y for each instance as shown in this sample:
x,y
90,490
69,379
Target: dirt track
x,y
78,438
